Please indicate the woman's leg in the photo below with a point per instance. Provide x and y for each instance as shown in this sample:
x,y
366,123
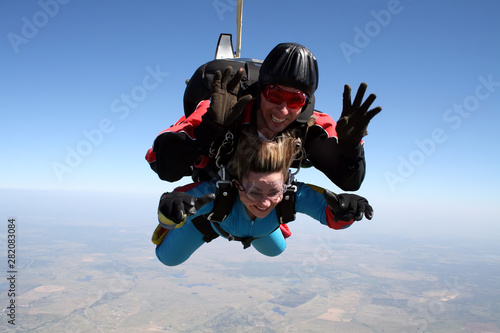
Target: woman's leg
x,y
271,245
179,244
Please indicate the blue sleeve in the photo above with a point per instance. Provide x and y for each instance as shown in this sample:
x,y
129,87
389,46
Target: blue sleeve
x,y
198,190
311,202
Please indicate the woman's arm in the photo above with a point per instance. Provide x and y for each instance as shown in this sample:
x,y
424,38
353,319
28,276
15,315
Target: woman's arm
x,y
335,211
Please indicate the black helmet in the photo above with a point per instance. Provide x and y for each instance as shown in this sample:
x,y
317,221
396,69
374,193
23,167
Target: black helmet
x,y
292,65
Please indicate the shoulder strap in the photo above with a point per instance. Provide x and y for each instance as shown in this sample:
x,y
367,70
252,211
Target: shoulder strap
x,y
285,210
225,197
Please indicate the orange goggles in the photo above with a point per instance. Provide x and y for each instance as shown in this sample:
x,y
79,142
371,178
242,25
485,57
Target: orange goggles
x,y
276,95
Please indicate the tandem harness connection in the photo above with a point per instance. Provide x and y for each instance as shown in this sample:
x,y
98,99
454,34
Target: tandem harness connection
x,y
225,197
227,192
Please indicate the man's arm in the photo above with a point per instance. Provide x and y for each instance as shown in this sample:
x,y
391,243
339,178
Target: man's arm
x,y
342,162
176,149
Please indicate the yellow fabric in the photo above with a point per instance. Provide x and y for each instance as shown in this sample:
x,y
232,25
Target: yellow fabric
x,y
165,225
316,188
168,223
159,235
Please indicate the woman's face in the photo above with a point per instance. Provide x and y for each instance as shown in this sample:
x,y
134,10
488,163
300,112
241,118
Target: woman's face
x,y
261,192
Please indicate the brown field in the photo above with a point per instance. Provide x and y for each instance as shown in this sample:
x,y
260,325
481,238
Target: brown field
x,y
103,281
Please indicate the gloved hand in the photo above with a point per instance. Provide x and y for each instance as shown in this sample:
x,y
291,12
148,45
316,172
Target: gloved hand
x,y
225,107
174,207
353,122
347,207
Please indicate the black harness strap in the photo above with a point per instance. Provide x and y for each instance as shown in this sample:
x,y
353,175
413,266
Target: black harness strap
x,y
205,227
245,241
285,210
224,201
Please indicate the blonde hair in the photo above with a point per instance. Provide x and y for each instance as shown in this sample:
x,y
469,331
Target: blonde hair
x,y
255,154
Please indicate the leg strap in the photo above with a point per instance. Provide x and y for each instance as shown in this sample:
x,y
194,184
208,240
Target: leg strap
x,y
205,227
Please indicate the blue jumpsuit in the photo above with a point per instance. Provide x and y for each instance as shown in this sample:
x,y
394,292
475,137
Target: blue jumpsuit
x,y
180,243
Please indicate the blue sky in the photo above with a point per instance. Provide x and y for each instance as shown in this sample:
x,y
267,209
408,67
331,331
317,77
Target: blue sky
x,y
87,85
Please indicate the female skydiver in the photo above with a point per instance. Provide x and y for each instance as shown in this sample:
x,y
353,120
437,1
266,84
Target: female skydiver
x,y
261,169
287,81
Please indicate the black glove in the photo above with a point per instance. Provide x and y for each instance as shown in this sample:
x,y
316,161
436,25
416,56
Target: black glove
x,y
175,206
225,107
353,122
347,207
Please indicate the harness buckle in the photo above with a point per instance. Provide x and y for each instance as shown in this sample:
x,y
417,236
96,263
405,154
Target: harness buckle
x,y
290,191
224,187
210,216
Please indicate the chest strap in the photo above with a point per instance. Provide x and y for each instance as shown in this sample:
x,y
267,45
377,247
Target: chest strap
x,y
247,241
209,234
